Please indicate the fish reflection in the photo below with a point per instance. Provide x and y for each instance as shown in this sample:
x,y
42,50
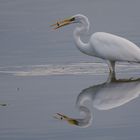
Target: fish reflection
x,y
108,95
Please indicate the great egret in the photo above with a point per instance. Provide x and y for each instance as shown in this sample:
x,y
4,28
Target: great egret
x,y
103,45
108,95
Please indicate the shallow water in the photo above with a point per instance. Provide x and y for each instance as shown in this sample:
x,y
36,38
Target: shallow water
x,y
42,72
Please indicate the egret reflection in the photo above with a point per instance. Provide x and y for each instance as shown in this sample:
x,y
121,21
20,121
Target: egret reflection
x,y
108,95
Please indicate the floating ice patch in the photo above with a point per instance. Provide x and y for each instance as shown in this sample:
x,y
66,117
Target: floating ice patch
x,y
67,69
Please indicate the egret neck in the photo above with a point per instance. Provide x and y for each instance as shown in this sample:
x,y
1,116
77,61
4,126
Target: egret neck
x,y
83,28
87,119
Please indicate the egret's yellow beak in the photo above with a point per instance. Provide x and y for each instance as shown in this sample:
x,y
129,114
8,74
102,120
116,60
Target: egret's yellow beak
x,y
62,23
64,117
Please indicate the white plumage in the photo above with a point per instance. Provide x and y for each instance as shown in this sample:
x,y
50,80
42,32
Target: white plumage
x,y
103,45
114,48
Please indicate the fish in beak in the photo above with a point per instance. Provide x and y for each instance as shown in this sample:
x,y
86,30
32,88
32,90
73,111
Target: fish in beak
x,y
62,23
60,116
65,118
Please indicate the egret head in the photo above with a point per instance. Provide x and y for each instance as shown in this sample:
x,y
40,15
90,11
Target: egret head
x,y
74,19
66,118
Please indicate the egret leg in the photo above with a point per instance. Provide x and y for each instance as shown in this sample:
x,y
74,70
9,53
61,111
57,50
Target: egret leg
x,y
111,65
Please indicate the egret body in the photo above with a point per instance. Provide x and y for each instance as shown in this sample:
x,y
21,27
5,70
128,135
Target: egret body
x,y
103,45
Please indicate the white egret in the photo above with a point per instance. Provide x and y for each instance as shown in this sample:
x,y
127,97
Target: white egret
x,y
111,94
103,45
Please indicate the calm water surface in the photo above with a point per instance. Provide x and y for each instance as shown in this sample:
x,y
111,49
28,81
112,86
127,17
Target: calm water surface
x,y
42,72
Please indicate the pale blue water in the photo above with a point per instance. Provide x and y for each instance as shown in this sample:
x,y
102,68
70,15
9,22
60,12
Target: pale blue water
x,y
42,72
